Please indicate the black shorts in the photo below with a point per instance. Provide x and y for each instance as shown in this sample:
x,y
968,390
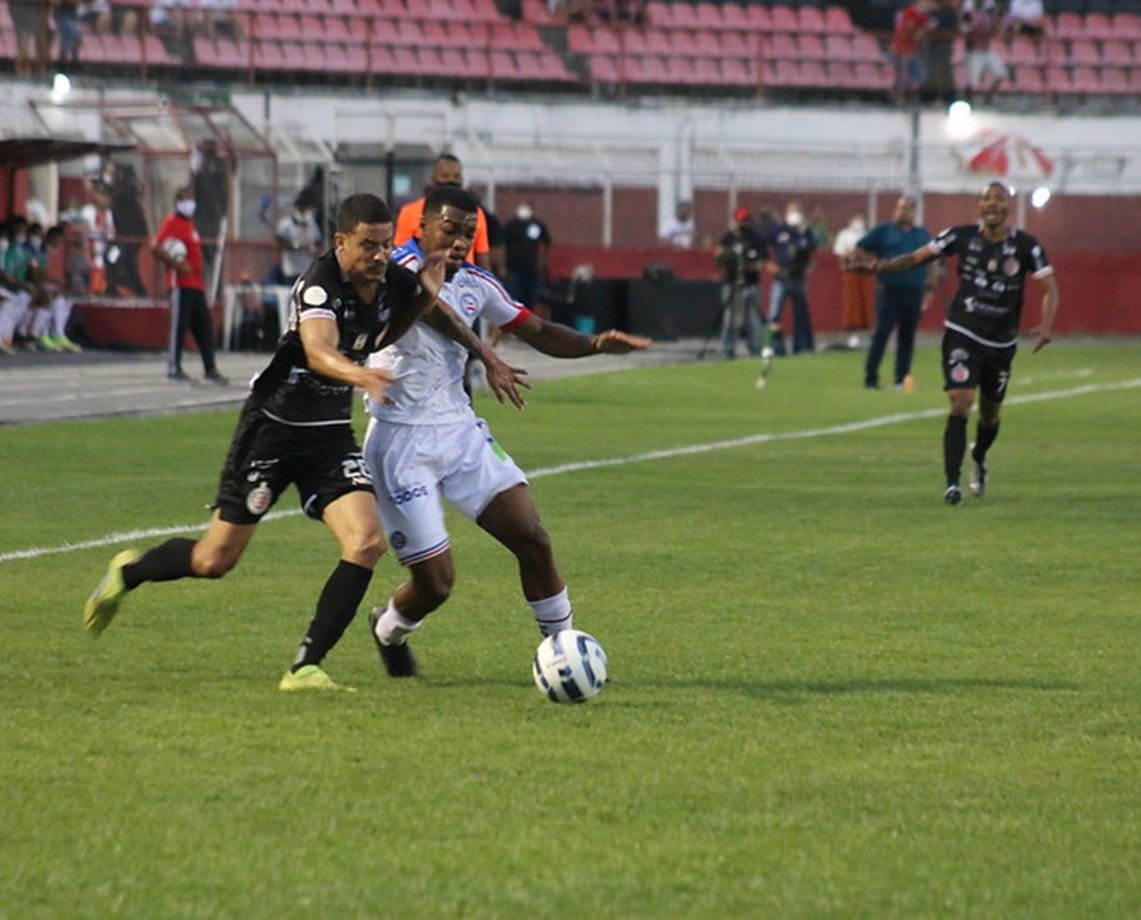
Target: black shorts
x,y
970,365
265,457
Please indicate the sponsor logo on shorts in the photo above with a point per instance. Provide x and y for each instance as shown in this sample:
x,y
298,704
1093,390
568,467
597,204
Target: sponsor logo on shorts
x,y
397,539
407,495
259,499
959,374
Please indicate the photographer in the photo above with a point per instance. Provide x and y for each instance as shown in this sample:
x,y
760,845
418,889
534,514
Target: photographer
x,y
739,256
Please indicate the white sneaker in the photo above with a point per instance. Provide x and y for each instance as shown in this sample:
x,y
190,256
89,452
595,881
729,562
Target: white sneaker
x,y
978,475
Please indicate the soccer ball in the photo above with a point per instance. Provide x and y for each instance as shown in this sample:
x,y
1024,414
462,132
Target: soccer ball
x,y
175,248
569,667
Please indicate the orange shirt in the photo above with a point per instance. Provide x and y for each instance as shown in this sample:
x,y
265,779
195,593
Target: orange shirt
x,y
408,226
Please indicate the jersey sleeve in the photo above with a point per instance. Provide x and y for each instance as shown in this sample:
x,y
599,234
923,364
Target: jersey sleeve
x,y
1038,264
311,297
949,242
165,230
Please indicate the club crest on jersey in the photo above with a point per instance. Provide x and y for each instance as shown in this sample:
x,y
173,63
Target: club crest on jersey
x,y
469,304
259,499
314,295
1010,267
959,373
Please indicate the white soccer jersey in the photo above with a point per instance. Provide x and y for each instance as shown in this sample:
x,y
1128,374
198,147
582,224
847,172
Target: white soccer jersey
x,y
427,367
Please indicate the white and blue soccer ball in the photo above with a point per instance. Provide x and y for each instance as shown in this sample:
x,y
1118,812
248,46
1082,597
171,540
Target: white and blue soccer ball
x,y
569,667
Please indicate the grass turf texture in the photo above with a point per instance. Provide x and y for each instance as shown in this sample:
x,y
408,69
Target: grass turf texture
x,y
832,695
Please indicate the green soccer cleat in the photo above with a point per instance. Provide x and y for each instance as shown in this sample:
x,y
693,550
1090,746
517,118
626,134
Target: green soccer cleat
x,y
311,677
104,602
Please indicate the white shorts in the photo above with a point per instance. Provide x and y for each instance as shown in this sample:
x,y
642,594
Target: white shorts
x,y
980,62
415,466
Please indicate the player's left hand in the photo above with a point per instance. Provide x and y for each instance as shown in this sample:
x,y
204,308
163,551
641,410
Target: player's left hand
x,y
1043,339
613,342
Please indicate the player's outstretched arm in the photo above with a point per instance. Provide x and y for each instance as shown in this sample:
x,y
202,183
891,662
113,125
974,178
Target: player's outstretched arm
x,y
319,338
503,379
561,341
905,262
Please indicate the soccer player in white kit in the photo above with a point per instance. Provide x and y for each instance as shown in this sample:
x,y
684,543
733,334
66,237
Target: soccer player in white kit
x,y
425,443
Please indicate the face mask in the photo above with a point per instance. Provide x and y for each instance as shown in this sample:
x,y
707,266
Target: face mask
x,y
35,240
794,219
523,212
185,207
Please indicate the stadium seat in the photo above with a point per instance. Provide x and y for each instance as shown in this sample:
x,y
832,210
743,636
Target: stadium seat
x,y
707,71
268,55
1058,80
760,16
1119,52
784,19
684,16
811,19
1069,25
603,68
1116,80
734,16
839,47
634,42
1027,78
648,69
873,75
1023,50
814,74
1086,80
736,44
537,12
1083,51
811,47
782,45
837,21
1098,25
503,65
1127,25
738,72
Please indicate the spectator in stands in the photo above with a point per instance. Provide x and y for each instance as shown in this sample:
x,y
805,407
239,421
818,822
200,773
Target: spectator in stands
x,y
739,257
981,24
65,14
900,298
940,51
818,227
1026,17
298,239
29,21
527,242
130,231
857,288
447,170
177,246
96,16
679,230
912,26
790,253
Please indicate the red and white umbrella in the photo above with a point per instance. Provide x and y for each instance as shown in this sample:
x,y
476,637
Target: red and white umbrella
x,y
1010,155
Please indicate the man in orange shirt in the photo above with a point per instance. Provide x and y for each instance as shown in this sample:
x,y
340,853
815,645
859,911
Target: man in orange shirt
x,y
447,170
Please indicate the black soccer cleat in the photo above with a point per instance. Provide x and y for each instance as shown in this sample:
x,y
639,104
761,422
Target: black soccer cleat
x,y
953,495
398,660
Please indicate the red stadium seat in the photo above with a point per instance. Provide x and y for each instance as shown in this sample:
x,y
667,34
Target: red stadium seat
x,y
734,16
1098,25
1084,51
784,19
1127,25
662,42
603,68
738,72
1086,79
1058,80
1069,25
837,21
812,48
634,41
1027,78
707,71
811,19
1116,80
783,45
1118,52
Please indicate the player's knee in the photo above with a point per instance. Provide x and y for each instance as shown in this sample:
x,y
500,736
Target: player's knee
x,y
535,544
433,588
367,549
213,563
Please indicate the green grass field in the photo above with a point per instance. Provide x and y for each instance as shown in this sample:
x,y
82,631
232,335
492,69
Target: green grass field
x,y
831,696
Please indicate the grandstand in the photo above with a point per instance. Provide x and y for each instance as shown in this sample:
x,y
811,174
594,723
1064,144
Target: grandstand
x,y
604,114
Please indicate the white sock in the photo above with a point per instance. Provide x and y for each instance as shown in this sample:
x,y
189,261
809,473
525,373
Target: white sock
x,y
391,628
553,614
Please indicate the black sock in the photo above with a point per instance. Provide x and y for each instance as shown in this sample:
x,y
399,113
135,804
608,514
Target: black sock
x,y
165,562
954,446
984,438
336,607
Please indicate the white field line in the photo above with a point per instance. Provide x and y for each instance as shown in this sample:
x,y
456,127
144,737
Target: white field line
x,y
689,450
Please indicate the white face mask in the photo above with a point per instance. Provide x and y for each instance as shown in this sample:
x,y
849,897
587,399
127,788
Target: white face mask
x,y
794,219
523,212
185,206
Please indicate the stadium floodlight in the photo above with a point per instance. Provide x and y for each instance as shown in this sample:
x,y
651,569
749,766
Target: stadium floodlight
x,y
61,86
1040,197
959,118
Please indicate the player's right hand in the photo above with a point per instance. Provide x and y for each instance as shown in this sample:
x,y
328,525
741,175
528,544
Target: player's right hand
x,y
375,383
505,380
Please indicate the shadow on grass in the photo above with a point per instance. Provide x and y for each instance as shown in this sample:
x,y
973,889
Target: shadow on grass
x,y
789,688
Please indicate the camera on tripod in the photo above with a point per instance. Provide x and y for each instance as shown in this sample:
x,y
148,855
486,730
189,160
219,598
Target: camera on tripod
x,y
738,257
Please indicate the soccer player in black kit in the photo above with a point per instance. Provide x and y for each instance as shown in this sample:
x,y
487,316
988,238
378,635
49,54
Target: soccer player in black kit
x,y
296,428
981,329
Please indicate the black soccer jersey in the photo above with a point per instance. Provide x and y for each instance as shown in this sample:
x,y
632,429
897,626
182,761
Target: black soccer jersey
x,y
988,304
287,391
